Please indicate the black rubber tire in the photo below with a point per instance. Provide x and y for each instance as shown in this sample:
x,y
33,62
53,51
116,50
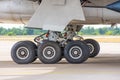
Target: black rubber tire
x,y
32,52
84,48
96,46
57,56
32,44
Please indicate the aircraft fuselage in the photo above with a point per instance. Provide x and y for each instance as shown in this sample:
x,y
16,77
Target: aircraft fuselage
x,y
20,11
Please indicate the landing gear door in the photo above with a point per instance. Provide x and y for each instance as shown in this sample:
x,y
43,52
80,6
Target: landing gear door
x,y
58,2
56,14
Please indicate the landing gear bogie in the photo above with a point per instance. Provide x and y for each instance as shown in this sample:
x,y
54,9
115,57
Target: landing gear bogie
x,y
52,46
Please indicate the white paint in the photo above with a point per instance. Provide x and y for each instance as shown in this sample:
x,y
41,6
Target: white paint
x,y
8,77
56,17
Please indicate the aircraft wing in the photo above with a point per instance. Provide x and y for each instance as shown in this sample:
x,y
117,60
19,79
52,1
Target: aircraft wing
x,y
56,14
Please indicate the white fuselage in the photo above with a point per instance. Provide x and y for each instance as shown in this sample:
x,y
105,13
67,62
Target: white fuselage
x,y
20,11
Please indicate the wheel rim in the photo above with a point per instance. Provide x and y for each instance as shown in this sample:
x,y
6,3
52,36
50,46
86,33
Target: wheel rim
x,y
49,52
91,48
75,52
22,53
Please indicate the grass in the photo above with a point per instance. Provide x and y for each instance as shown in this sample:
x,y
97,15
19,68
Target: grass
x,y
115,39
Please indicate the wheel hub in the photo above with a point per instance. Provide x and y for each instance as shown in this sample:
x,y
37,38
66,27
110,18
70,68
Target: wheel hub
x,y
49,52
91,48
75,52
22,53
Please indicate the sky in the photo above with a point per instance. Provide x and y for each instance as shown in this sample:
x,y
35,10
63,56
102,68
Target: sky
x,y
22,25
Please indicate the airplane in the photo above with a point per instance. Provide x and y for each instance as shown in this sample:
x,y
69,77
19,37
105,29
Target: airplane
x,y
58,16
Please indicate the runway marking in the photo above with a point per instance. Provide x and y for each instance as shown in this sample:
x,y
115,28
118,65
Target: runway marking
x,y
8,77
86,72
25,71
52,70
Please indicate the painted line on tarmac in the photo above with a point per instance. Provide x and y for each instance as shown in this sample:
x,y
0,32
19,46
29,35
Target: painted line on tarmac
x,y
87,72
8,77
38,71
25,71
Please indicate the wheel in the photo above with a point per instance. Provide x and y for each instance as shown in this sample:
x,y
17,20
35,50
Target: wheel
x,y
76,52
32,44
49,52
94,47
23,52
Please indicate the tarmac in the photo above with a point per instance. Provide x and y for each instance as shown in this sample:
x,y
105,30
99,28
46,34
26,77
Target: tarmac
x,y
106,66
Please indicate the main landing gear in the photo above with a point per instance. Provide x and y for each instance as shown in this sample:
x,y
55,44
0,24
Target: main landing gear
x,y
52,46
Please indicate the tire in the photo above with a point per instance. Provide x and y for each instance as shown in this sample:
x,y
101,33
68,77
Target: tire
x,y
32,44
28,49
80,52
94,47
49,52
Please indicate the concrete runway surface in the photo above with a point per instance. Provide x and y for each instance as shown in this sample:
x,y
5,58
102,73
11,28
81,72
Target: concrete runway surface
x,y
106,66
